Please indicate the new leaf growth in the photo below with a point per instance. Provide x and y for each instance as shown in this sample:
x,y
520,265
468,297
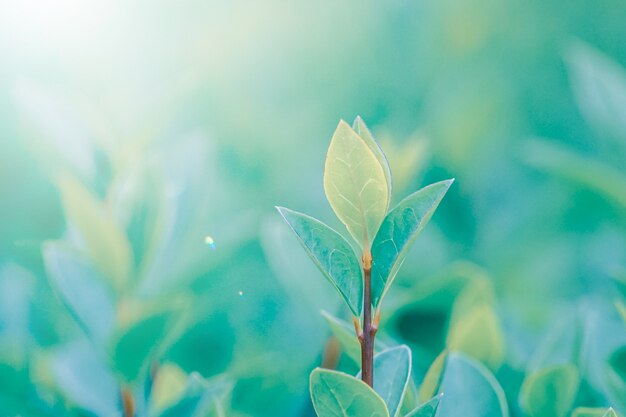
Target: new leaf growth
x,y
357,183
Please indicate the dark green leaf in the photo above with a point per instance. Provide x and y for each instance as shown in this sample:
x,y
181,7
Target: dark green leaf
x,y
618,362
133,350
397,233
332,255
210,334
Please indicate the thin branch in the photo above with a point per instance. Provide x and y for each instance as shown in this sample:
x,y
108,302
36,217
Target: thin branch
x,y
128,403
369,331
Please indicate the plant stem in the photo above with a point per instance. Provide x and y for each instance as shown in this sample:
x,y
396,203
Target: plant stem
x,y
128,404
366,338
332,352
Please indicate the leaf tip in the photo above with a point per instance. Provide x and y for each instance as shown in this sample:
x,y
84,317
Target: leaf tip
x,y
315,372
283,211
446,184
342,125
358,120
405,348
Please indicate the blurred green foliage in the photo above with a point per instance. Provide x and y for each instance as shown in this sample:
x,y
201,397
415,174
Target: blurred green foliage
x,y
131,132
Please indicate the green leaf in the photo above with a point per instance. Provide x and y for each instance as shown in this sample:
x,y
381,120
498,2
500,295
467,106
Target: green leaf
x,y
355,184
85,379
104,240
619,279
199,397
409,159
470,390
585,171
135,346
621,309
204,333
410,402
336,394
428,409
618,362
398,232
479,335
332,254
474,326
599,84
168,386
362,130
551,391
476,291
562,343
137,199
81,289
392,370
346,336
432,379
594,412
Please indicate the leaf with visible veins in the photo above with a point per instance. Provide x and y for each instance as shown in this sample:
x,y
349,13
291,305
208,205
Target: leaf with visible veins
x,y
332,254
355,184
398,232
392,370
336,394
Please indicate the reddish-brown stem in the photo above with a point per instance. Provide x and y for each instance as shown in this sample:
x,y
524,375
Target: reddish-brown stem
x,y
332,352
128,403
366,338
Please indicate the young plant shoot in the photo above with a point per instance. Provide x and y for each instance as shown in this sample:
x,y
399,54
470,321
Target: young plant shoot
x,y
357,183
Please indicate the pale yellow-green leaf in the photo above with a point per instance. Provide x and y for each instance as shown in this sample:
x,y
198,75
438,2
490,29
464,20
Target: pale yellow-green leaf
x,y
551,391
593,412
169,384
104,240
478,334
409,159
432,379
363,131
355,184
621,308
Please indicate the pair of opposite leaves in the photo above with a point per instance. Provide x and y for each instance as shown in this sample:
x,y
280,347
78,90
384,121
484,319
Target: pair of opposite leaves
x,y
357,183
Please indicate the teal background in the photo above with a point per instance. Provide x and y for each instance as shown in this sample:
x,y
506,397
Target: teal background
x,y
221,110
